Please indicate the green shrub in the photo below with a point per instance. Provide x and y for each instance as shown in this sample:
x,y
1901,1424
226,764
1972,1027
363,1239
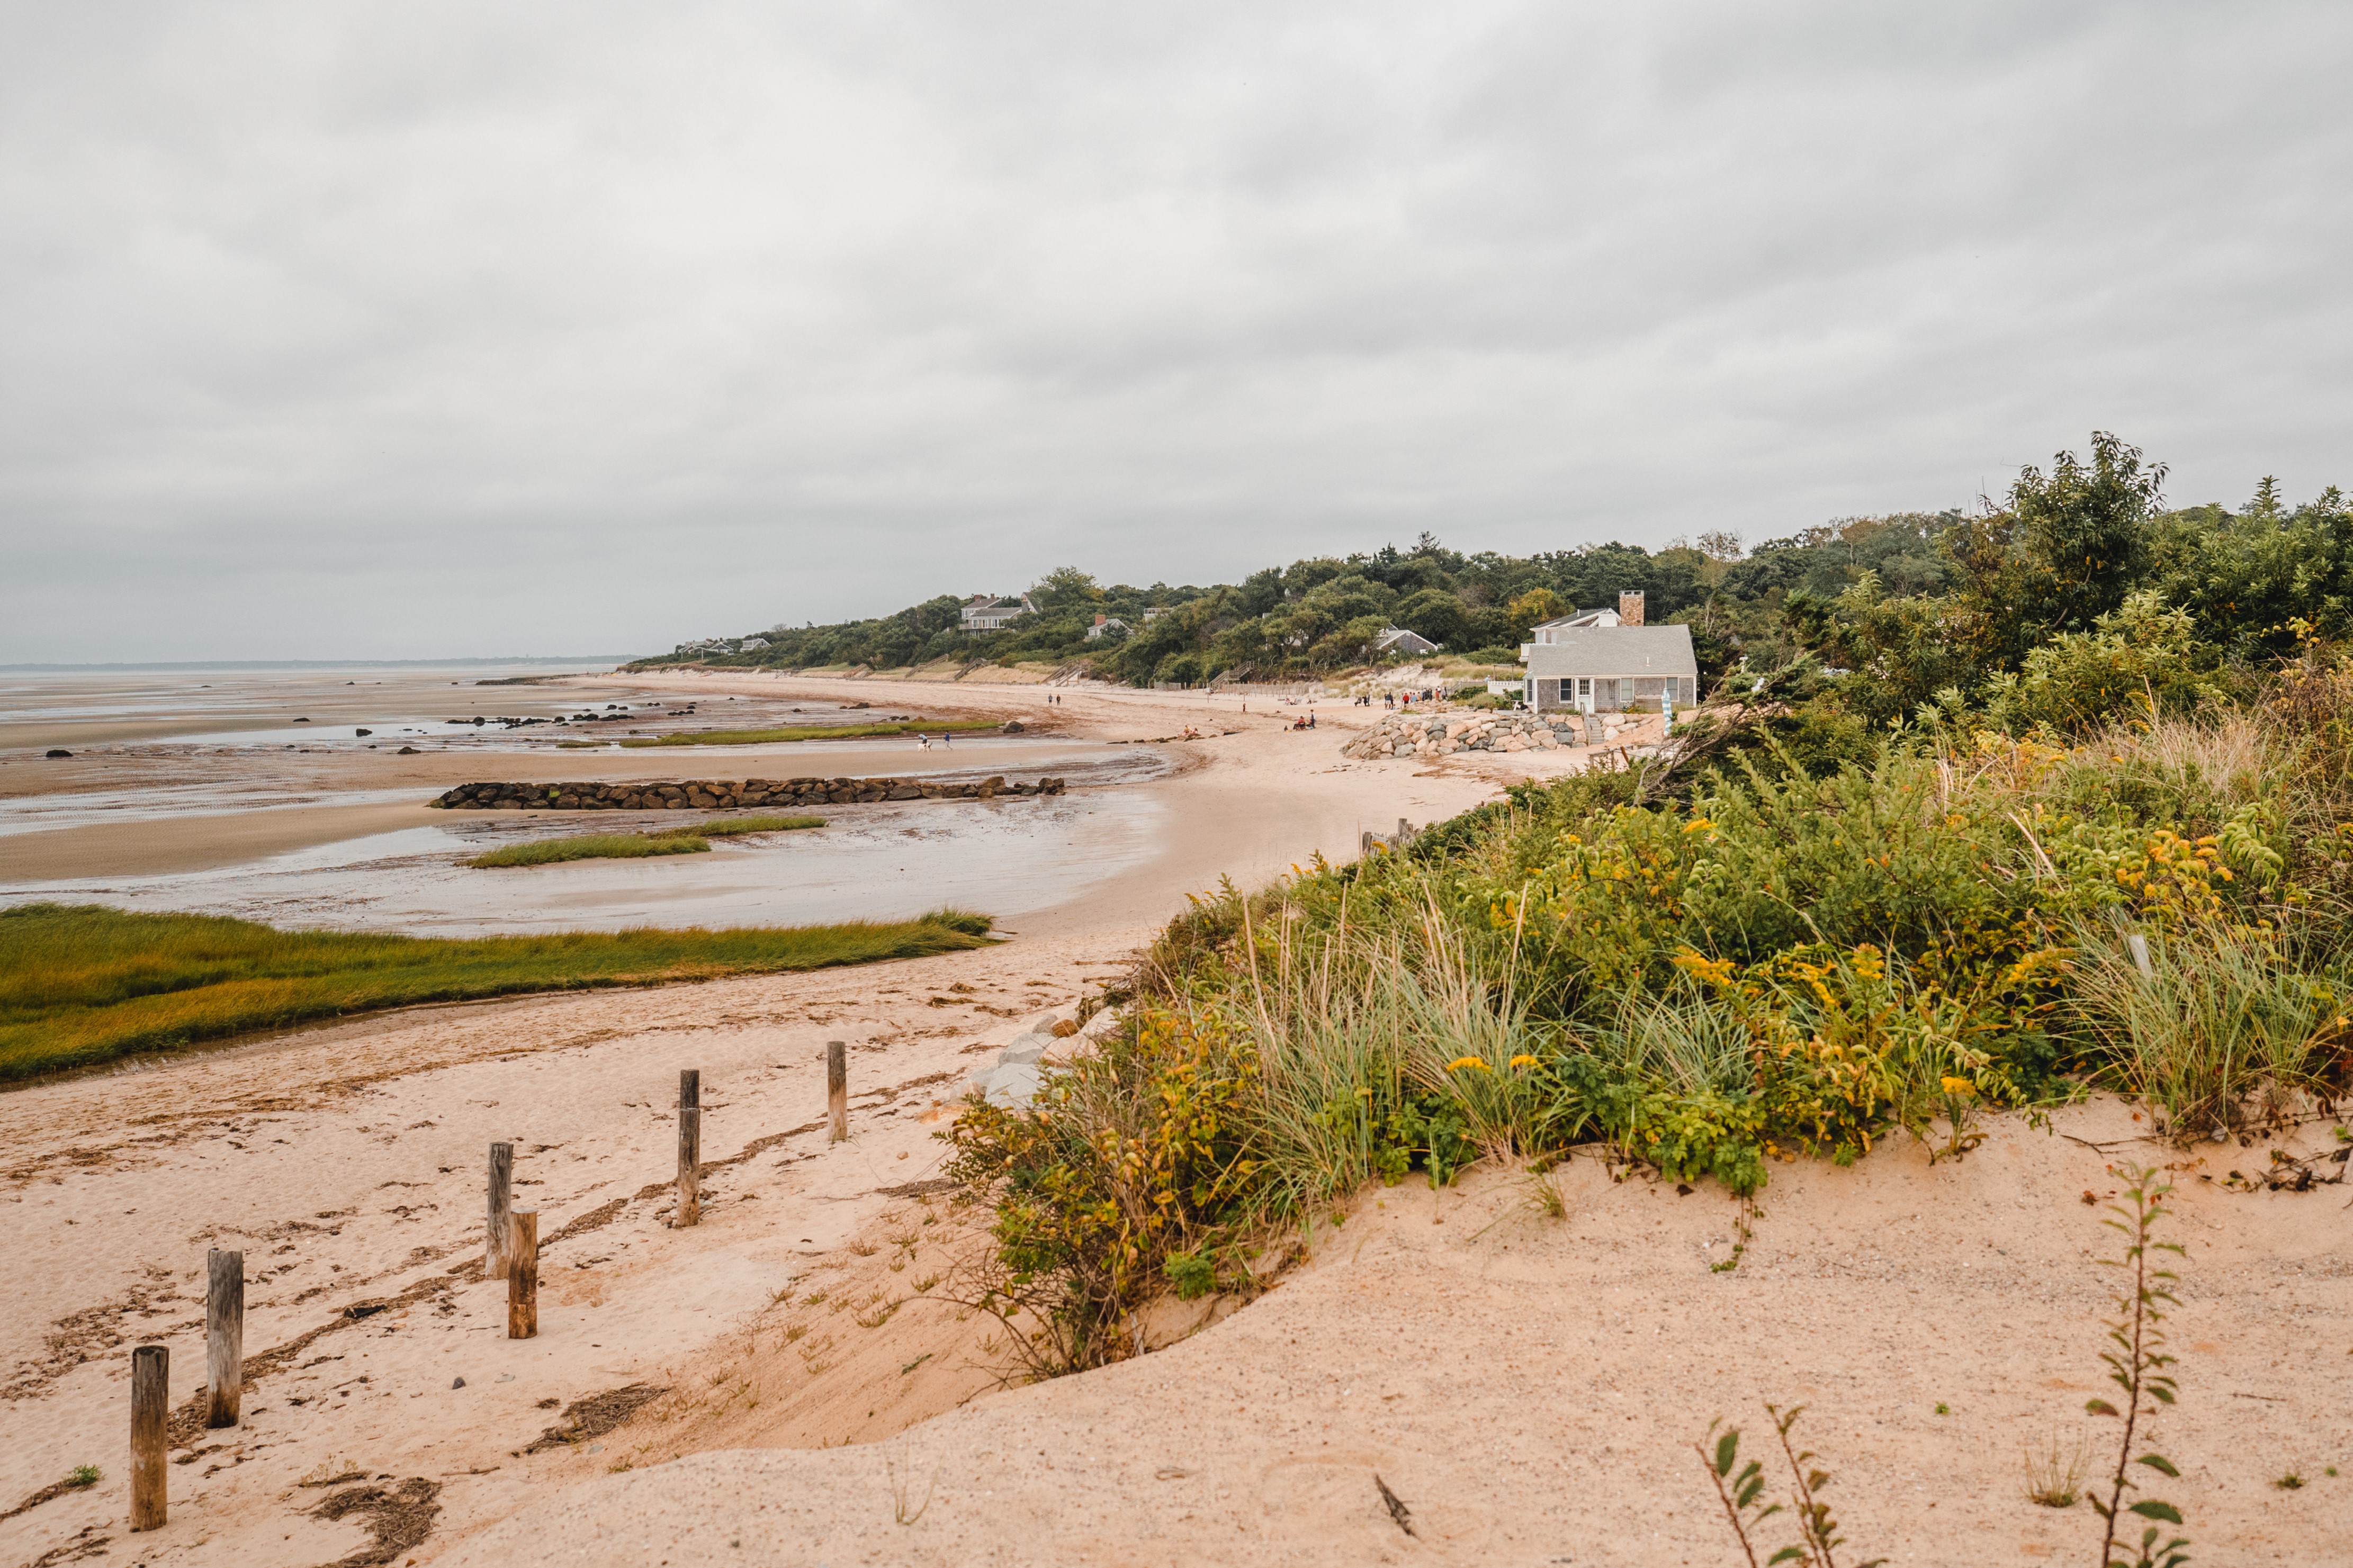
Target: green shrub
x,y
1781,955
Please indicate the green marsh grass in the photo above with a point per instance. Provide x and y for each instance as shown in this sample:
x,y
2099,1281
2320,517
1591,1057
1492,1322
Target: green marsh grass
x,y
805,732
734,826
82,985
593,846
688,838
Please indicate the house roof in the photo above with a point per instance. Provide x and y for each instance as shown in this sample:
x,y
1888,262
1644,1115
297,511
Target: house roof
x,y
1576,618
1609,651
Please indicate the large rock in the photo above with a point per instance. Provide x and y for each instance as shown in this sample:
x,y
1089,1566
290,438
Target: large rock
x,y
1012,1079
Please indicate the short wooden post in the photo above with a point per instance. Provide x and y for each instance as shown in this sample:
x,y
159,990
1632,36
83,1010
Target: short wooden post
x,y
690,1148
502,1217
837,1087
2139,946
151,1414
224,1336
523,1276
1401,830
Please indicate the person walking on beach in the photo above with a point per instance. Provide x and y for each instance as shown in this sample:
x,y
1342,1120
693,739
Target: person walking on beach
x,y
923,740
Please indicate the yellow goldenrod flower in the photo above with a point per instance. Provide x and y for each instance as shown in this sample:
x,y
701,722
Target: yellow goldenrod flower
x,y
1959,1088
1524,1061
1467,1062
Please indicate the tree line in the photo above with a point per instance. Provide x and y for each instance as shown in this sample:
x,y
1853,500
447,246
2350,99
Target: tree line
x,y
1897,608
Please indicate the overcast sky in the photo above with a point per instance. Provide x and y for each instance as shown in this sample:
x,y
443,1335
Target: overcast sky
x,y
403,330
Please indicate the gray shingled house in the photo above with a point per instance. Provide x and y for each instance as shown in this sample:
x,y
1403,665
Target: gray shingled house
x,y
1609,669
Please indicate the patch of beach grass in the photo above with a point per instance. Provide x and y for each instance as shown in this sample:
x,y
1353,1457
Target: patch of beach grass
x,y
735,826
83,985
806,733
594,846
687,839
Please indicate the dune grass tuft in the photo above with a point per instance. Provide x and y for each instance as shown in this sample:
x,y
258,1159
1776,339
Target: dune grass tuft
x,y
806,733
84,984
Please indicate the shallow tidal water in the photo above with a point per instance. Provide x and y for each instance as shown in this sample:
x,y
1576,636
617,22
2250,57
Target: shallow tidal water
x,y
1011,858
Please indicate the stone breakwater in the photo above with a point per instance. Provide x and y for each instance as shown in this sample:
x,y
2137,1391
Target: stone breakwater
x,y
721,794
1443,734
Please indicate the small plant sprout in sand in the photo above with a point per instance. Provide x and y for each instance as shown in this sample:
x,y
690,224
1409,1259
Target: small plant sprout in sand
x,y
1544,1193
1960,1097
1741,1489
2137,1367
2055,1477
900,1491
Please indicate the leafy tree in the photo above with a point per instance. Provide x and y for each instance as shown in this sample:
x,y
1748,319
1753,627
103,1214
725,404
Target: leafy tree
x,y
2064,549
1066,588
1436,615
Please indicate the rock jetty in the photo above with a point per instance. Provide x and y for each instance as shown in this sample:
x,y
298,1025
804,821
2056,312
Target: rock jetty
x,y
1443,734
722,794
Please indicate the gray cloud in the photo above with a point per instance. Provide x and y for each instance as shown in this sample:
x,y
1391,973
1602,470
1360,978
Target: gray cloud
x,y
397,331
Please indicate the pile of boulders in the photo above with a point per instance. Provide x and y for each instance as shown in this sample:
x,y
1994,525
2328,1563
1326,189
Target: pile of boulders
x,y
722,794
1443,734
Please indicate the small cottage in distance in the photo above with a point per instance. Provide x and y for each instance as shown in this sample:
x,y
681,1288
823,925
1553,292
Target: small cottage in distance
x,y
1399,641
1586,663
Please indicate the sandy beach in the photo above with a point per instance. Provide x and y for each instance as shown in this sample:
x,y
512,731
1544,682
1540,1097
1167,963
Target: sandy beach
x,y
1528,1388
345,1161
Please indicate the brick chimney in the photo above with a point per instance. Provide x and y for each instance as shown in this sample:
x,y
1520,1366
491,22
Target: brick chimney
x,y
1629,608
1100,619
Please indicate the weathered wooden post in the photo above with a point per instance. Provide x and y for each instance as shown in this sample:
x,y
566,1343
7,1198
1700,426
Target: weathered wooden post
x,y
2139,946
523,1276
224,1336
501,1218
151,1410
837,1087
690,1148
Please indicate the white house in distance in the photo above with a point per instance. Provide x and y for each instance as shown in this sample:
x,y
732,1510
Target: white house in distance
x,y
1608,669
1397,639
1105,625
987,613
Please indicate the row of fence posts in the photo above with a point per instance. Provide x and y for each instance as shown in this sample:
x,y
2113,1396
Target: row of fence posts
x,y
1367,840
510,1247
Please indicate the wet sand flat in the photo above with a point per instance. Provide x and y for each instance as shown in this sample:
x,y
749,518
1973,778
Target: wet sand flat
x,y
162,845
